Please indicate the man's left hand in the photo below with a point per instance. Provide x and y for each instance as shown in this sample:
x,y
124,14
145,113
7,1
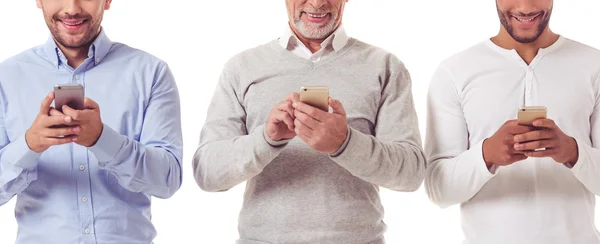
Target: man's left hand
x,y
321,130
88,120
559,146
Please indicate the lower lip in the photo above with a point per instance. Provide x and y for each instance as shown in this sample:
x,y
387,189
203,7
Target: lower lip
x,y
526,25
317,20
73,27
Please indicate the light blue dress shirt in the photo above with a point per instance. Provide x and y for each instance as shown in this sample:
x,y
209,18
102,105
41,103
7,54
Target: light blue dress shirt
x,y
102,194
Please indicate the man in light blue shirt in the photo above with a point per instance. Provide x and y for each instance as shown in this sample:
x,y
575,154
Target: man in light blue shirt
x,y
91,182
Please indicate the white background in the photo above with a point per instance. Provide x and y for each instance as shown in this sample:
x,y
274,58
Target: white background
x,y
197,37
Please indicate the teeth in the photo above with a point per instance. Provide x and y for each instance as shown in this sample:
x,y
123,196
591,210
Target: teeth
x,y
316,15
525,20
73,24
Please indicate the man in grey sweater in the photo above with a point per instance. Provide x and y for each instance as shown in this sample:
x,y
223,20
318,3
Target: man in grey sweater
x,y
312,176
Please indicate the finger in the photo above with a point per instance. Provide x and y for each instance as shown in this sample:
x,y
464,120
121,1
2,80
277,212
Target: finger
x,y
533,145
67,131
311,111
56,120
337,107
520,129
288,120
45,106
542,154
49,141
517,157
293,97
544,123
55,112
90,104
74,114
306,120
302,129
306,139
286,106
534,136
283,117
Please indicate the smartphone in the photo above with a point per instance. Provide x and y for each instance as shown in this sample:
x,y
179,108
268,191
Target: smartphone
x,y
71,95
527,115
316,96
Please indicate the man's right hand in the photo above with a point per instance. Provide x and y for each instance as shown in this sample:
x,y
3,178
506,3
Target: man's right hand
x,y
499,149
40,136
280,124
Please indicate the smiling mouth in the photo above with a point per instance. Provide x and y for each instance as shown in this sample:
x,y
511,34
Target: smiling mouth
x,y
73,24
526,19
316,15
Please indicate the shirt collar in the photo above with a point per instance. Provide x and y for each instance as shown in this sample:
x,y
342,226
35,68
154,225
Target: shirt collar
x,y
98,50
338,39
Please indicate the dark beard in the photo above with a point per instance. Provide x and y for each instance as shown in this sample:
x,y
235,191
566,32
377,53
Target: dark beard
x,y
504,20
88,37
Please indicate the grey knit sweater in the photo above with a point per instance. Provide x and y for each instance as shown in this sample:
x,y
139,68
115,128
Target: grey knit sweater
x,y
295,194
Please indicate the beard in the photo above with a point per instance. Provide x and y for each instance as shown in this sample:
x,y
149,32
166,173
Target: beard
x,y
314,30
505,18
85,36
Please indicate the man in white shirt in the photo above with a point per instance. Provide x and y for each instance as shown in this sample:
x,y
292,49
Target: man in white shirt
x,y
482,159
312,176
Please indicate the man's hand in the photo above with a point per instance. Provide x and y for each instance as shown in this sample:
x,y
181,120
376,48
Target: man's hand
x,y
41,136
499,149
88,120
322,131
559,146
280,124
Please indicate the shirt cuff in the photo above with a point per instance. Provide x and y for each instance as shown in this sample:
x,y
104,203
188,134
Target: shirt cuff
x,y
21,155
582,159
344,145
474,157
108,145
271,141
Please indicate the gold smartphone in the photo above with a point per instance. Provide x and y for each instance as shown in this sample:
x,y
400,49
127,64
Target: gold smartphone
x,y
316,96
528,114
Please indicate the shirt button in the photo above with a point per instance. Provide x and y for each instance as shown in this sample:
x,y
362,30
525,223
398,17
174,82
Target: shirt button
x,y
77,77
87,231
81,167
84,199
97,60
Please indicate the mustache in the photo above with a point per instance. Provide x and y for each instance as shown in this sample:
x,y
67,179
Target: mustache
x,y
68,16
314,10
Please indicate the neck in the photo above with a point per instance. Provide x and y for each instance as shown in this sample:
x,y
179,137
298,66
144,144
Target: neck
x,y
527,51
77,55
314,45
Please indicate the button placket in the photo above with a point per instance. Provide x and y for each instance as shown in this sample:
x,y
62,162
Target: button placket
x,y
527,80
84,191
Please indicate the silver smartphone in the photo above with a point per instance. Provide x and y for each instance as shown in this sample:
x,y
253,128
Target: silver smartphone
x,y
71,95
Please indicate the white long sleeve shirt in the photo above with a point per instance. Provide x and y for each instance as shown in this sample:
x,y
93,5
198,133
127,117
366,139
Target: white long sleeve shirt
x,y
536,200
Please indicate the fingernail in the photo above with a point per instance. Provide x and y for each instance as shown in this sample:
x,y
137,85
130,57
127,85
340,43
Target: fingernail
x,y
74,138
517,146
295,105
68,119
76,129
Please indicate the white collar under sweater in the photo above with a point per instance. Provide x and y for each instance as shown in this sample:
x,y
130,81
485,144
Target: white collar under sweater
x,y
335,42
